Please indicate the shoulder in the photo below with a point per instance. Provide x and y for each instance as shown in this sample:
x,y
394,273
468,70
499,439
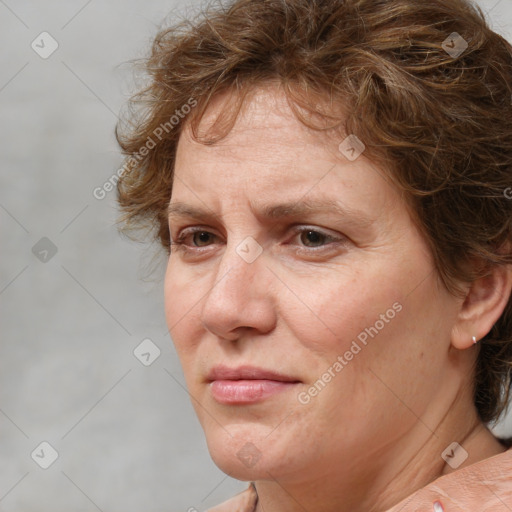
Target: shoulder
x,y
485,486
243,502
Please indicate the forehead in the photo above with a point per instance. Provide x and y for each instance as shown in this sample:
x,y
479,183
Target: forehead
x,y
260,126
258,111
269,153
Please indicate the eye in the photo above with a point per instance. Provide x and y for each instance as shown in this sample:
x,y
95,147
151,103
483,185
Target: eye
x,y
311,238
194,237
201,238
306,239
315,239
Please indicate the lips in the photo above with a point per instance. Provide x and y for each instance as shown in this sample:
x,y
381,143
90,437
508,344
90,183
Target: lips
x,y
247,384
247,373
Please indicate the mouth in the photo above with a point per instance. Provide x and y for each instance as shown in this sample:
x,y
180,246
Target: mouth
x,y
247,384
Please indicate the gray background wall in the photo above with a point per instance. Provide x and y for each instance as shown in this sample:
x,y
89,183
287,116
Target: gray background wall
x,y
125,433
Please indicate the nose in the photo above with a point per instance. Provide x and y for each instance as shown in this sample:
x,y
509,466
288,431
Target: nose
x,y
240,297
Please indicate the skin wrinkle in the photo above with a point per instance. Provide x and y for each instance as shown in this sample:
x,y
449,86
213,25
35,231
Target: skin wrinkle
x,y
280,312
434,180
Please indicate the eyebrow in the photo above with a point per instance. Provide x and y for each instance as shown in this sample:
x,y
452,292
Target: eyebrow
x,y
288,210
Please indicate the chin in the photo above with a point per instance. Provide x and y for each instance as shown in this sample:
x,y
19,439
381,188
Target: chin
x,y
241,451
233,467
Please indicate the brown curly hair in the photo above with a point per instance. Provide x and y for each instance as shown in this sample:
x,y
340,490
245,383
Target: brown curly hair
x,y
440,123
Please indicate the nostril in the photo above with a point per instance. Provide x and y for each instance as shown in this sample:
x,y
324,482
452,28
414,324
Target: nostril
x,y
437,506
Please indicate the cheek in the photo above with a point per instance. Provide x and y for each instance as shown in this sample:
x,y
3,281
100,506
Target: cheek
x,y
328,312
393,360
378,323
182,309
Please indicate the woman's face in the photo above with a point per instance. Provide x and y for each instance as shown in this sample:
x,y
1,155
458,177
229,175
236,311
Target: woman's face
x,y
301,301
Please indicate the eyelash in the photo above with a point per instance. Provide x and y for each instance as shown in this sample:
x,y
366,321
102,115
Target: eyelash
x,y
180,245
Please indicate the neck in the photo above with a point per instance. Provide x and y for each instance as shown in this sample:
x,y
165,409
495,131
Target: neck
x,y
381,480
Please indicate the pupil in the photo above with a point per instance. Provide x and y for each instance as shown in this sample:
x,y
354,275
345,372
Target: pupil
x,y
313,237
202,237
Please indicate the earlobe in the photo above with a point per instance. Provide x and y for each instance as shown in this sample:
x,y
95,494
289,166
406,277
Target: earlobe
x,y
461,338
483,305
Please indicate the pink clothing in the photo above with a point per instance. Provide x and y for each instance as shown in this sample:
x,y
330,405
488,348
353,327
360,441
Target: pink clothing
x,y
485,486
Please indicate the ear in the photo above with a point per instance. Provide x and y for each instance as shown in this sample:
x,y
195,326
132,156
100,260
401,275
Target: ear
x,y
483,305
